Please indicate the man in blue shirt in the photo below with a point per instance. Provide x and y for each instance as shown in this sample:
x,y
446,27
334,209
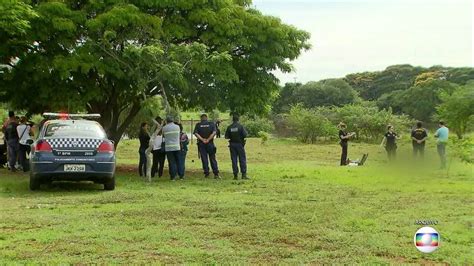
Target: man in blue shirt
x,y
442,135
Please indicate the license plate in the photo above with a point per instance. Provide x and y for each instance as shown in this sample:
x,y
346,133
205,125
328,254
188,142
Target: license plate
x,y
74,168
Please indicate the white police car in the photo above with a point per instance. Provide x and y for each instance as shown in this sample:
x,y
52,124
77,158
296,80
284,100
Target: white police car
x,y
71,148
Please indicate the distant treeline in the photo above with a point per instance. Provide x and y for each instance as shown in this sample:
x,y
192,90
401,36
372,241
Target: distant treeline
x,y
415,91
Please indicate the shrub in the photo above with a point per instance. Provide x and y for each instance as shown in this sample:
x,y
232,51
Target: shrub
x,y
256,125
264,136
308,124
464,148
365,119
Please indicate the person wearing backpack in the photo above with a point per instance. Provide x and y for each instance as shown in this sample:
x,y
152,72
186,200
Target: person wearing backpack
x,y
24,135
12,138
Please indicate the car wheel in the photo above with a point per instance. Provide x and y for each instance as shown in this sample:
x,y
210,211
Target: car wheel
x,y
34,183
110,184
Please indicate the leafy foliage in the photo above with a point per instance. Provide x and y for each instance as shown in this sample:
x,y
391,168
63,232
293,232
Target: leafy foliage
x,y
365,119
312,94
457,109
464,149
309,124
15,18
419,101
255,125
109,57
373,85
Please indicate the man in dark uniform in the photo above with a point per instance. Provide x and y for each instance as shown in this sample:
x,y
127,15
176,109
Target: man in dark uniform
x,y
419,136
205,132
344,138
236,135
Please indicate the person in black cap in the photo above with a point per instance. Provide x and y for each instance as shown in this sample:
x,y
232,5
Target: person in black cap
x,y
205,132
236,135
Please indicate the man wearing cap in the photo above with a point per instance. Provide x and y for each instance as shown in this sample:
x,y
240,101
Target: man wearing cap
x,y
171,133
236,135
205,132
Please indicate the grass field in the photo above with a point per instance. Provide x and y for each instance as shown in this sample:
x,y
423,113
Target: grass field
x,y
299,207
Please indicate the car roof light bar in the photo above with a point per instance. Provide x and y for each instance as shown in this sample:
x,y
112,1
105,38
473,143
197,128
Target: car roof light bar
x,y
70,116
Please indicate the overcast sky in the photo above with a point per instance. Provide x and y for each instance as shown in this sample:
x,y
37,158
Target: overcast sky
x,y
366,35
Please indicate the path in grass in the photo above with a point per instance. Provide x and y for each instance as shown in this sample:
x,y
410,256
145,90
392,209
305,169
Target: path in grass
x,y
299,208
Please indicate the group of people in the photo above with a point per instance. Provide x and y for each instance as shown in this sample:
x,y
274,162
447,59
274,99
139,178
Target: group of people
x,y
419,135
18,136
169,142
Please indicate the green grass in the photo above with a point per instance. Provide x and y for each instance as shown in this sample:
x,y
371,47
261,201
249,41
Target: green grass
x,y
300,207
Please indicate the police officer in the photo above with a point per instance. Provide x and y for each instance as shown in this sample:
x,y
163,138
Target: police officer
x,y
205,132
236,135
419,136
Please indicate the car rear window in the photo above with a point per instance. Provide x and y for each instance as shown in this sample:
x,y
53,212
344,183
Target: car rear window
x,y
74,130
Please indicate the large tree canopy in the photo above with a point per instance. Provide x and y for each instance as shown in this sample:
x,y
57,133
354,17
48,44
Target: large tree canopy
x,y
110,56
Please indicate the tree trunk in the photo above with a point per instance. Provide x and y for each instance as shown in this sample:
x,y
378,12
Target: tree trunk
x,y
115,132
110,118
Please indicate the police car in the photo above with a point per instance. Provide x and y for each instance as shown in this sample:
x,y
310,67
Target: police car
x,y
70,147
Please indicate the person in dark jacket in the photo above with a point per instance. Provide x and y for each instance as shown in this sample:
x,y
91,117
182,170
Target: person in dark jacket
x,y
344,139
236,135
419,135
144,137
184,141
390,142
12,139
205,132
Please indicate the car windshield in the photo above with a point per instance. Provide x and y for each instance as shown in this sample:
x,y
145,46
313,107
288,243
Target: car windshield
x,y
74,129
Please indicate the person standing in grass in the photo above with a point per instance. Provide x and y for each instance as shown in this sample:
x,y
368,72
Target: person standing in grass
x,y
159,155
158,125
171,134
236,135
205,132
344,139
12,138
442,135
389,141
24,133
144,138
419,136
184,141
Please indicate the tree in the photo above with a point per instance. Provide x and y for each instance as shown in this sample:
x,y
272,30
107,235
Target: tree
x,y
285,98
15,19
371,85
109,57
457,109
420,101
327,92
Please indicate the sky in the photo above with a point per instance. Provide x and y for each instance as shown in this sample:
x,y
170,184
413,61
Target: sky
x,y
349,36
